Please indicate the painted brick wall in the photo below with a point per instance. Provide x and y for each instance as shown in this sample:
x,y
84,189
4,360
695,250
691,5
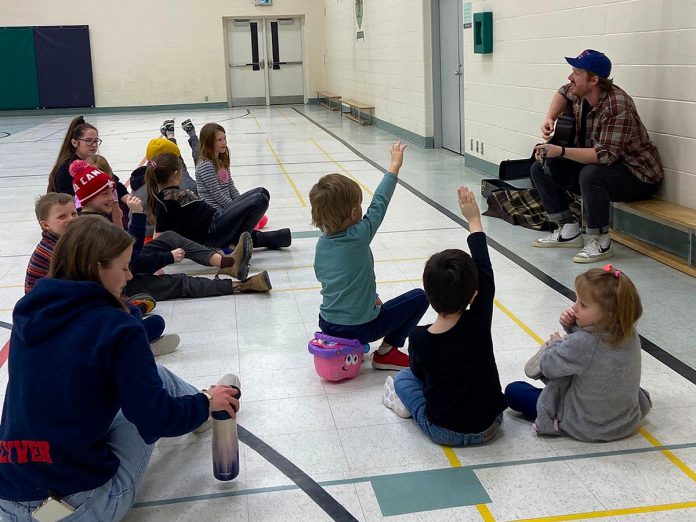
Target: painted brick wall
x,y
159,52
652,44
390,68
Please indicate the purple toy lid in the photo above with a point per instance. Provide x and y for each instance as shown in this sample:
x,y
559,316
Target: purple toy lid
x,y
327,347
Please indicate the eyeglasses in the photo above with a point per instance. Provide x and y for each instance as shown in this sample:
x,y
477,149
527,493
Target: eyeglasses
x,y
96,141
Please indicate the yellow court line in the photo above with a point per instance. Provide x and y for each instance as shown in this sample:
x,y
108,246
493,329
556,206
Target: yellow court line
x,y
305,288
251,113
11,286
518,322
485,513
452,457
671,456
612,512
455,463
348,173
287,176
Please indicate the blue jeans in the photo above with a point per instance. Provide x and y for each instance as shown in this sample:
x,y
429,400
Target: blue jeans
x,y
397,317
113,500
522,396
410,390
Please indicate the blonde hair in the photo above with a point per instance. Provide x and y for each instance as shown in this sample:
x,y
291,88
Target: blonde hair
x,y
160,170
101,163
618,298
333,199
46,202
207,146
88,242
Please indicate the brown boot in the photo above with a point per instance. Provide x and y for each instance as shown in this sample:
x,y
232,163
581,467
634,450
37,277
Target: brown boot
x,y
258,283
237,263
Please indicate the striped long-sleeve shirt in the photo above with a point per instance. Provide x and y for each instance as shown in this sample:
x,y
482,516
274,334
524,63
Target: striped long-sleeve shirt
x,y
215,187
40,260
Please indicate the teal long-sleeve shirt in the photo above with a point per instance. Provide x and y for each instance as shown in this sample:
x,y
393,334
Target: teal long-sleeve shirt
x,y
344,266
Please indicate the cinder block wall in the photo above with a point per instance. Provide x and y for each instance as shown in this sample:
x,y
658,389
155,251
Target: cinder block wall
x,y
391,67
160,52
652,45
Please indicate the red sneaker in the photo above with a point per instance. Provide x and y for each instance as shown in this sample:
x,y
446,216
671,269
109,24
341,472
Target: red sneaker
x,y
392,360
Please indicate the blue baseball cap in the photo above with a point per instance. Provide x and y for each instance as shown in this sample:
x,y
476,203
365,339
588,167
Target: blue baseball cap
x,y
592,61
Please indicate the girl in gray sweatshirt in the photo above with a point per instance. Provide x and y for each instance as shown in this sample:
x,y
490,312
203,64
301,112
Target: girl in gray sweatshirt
x,y
593,388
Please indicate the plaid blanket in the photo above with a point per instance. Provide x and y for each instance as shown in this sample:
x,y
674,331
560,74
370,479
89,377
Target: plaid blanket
x,y
523,207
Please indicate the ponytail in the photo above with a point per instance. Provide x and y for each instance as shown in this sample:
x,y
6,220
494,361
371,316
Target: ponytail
x,y
77,128
159,172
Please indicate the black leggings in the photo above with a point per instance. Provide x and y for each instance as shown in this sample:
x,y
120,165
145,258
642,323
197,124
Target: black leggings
x,y
241,216
174,286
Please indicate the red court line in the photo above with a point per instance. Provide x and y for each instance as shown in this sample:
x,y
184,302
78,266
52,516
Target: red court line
x,y
4,353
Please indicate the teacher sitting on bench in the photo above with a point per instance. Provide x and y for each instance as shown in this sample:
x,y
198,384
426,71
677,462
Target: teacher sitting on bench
x,y
613,158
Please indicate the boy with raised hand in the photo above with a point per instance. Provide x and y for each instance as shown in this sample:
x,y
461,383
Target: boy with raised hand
x,y
452,388
344,266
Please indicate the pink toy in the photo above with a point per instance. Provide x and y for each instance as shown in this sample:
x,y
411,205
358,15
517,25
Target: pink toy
x,y
262,223
336,359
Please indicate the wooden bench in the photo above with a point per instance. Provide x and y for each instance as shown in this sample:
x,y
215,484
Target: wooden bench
x,y
328,98
671,215
356,110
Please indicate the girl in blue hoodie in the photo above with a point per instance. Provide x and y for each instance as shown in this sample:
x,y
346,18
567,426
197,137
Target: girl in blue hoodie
x,y
85,400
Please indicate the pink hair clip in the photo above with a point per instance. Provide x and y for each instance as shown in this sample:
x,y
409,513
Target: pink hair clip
x,y
610,268
152,164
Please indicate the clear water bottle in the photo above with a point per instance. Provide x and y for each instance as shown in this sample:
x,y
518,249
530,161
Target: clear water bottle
x,y
225,439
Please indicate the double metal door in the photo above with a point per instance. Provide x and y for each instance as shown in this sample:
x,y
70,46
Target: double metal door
x,y
265,61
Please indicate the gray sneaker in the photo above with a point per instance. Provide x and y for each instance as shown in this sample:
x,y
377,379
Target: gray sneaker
x,y
165,344
556,240
593,251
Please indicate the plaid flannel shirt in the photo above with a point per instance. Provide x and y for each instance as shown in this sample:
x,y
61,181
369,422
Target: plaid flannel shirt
x,y
616,133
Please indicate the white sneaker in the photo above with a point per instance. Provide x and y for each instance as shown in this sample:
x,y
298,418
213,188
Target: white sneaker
x,y
593,251
391,400
165,344
556,240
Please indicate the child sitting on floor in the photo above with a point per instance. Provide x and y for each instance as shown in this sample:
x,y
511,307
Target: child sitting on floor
x,y
94,189
344,266
593,388
54,211
452,388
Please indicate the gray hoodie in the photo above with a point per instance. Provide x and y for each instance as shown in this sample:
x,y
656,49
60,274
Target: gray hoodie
x,y
593,393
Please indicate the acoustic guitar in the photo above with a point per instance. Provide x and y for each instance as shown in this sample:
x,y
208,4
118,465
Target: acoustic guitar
x,y
563,135
564,130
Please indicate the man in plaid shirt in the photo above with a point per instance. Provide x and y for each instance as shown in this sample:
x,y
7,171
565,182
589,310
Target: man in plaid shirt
x,y
613,158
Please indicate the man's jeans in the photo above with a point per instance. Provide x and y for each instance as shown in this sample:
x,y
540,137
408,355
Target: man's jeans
x,y
598,185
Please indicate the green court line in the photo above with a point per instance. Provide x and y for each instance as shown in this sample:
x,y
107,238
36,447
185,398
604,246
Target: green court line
x,y
465,469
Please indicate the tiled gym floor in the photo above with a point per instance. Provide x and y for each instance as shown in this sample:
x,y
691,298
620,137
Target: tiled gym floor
x,y
372,463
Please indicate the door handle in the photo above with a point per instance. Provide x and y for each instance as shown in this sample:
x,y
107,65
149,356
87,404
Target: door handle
x,y
458,71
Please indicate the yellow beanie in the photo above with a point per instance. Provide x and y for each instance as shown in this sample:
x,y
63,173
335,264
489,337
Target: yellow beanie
x,y
161,146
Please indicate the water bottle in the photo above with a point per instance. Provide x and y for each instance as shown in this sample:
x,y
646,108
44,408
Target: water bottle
x,y
225,440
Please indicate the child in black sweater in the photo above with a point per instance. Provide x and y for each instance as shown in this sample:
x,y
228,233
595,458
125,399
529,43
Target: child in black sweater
x,y
452,388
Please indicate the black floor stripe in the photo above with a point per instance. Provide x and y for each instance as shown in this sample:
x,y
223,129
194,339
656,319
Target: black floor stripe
x,y
318,494
660,354
330,505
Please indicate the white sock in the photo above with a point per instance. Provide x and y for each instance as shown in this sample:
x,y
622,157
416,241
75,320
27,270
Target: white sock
x,y
604,240
570,230
384,349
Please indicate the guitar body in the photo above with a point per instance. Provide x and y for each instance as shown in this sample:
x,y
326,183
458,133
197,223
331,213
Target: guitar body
x,y
564,131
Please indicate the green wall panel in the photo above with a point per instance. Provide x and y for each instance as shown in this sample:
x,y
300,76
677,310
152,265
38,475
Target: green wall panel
x,y
20,87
